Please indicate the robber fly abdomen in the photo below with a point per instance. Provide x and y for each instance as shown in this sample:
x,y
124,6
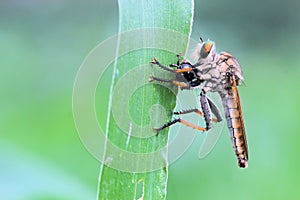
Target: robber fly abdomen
x,y
232,77
235,123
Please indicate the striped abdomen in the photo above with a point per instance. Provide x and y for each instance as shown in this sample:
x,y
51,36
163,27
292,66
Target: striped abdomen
x,y
235,122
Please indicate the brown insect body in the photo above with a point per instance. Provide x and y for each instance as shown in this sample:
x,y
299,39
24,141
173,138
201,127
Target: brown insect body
x,y
223,74
233,110
218,73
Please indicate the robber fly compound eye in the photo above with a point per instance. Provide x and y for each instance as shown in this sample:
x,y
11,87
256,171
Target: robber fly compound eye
x,y
206,48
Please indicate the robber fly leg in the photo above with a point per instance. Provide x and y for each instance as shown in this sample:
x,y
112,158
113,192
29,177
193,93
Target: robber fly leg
x,y
170,123
174,65
182,85
169,69
188,111
206,109
197,111
155,62
178,61
178,58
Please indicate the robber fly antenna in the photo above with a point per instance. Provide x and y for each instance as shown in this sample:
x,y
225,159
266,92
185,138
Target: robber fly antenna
x,y
201,39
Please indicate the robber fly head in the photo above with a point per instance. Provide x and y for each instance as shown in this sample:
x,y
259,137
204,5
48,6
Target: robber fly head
x,y
205,52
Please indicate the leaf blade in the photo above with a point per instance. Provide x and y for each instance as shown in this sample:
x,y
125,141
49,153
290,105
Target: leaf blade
x,y
116,184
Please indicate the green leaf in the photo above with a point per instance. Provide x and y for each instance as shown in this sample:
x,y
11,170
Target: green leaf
x,y
135,106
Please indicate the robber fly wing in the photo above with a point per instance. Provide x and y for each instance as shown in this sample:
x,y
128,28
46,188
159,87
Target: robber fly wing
x,y
214,109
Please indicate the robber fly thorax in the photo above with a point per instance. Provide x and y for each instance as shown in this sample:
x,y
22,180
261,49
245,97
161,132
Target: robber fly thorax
x,y
213,68
213,72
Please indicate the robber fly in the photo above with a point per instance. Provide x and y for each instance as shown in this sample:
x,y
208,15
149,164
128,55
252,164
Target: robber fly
x,y
217,72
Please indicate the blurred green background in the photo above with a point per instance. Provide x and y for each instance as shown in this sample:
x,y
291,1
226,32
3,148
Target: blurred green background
x,y
43,43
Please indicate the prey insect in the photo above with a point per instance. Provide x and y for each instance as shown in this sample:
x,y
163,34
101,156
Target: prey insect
x,y
213,72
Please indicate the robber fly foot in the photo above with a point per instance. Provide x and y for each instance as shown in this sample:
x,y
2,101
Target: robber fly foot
x,y
154,61
156,131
